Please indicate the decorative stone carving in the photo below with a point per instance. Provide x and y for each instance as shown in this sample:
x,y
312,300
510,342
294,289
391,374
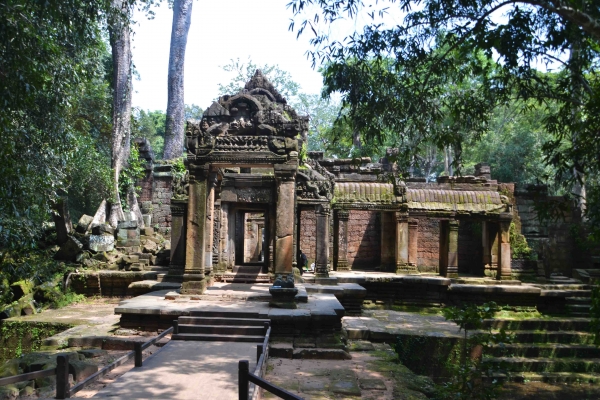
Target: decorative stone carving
x,y
181,186
316,182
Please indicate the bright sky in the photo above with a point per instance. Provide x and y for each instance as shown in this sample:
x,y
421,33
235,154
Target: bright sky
x,y
220,31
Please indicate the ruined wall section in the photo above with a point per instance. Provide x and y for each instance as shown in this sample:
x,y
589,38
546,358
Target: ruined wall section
x,y
155,198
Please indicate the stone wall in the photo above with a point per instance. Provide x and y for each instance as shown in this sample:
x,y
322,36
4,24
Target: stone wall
x,y
428,243
364,239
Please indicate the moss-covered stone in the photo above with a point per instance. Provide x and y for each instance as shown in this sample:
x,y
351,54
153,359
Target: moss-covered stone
x,y
21,288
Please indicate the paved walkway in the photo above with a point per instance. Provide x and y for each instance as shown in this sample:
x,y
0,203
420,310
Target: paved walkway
x,y
185,370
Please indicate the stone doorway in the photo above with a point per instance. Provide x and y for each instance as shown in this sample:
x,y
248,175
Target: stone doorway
x,y
251,240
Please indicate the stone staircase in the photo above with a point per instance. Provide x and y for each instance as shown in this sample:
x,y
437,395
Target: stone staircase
x,y
222,327
571,299
548,350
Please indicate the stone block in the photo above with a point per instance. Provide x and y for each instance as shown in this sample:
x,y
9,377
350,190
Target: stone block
x,y
69,250
147,218
81,369
148,231
84,223
101,243
127,225
130,259
93,353
103,229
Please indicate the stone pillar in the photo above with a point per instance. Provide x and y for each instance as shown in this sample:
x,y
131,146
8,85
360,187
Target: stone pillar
x,y
449,248
341,240
491,243
284,224
388,241
210,220
178,242
223,236
401,248
413,244
504,258
194,277
322,241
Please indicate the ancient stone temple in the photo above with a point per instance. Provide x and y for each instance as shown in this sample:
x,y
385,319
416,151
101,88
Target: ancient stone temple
x,y
248,204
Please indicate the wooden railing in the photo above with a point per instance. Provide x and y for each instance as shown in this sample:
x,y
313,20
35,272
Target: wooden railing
x,y
63,389
250,383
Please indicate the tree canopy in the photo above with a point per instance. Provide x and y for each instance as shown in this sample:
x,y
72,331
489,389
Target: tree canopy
x,y
436,76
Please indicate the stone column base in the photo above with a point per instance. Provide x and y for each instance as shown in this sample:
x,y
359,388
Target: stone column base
x,y
283,297
343,266
194,284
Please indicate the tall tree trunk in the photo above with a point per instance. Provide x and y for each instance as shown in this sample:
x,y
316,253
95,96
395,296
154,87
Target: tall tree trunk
x,y
182,18
121,130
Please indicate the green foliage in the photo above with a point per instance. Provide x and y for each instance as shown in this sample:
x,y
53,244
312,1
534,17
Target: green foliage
x,y
466,381
437,76
18,338
130,175
243,71
518,244
151,125
51,57
595,314
178,167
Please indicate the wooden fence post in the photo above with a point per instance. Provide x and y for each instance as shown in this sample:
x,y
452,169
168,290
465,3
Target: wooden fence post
x,y
266,325
175,327
62,377
243,368
259,351
137,346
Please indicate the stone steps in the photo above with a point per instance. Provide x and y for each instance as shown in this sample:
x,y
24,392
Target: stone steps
x,y
205,337
222,326
564,337
548,377
544,350
222,321
242,278
539,324
526,364
223,329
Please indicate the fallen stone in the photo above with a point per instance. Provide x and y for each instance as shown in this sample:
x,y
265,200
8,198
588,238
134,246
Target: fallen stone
x,y
93,353
84,223
150,247
130,259
20,289
127,225
321,354
9,392
101,243
27,391
148,231
9,368
81,369
345,387
372,384
69,250
103,229
361,345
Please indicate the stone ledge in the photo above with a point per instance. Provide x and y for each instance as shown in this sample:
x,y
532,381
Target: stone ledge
x,y
461,288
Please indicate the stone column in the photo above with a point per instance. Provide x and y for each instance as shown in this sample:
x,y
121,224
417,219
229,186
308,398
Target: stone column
x,y
210,220
449,248
194,277
401,248
178,242
388,241
413,244
284,224
341,240
491,247
322,241
504,258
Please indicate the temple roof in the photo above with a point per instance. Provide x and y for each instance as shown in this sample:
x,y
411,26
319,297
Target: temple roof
x,y
454,200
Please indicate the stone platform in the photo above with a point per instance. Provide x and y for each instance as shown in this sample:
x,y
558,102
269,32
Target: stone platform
x,y
321,313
